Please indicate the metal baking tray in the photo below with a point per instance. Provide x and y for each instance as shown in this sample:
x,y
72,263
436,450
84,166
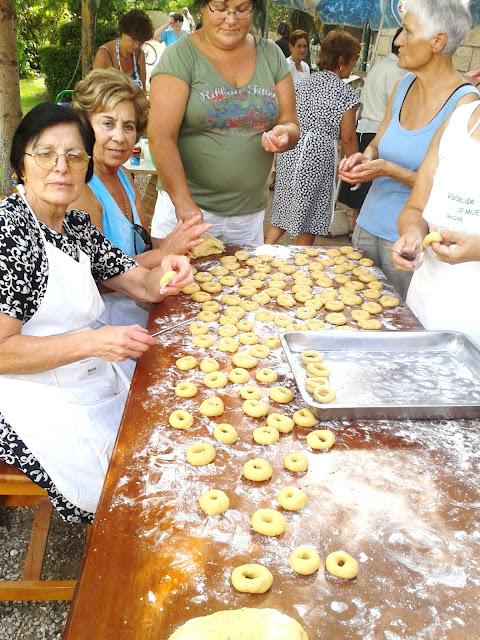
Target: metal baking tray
x,y
392,374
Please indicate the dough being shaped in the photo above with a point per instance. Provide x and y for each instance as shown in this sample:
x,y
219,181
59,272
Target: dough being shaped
x,y
304,560
433,236
213,502
225,433
166,278
268,522
209,246
251,578
201,453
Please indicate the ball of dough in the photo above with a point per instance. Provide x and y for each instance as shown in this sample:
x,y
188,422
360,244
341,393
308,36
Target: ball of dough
x,y
280,422
186,390
296,461
281,395
215,380
341,565
180,419
186,363
255,408
292,498
201,453
225,433
268,522
266,435
304,560
321,439
304,418
207,365
239,376
257,470
212,407
251,578
214,502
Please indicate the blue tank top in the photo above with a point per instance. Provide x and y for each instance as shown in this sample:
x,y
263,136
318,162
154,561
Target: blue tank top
x,y
386,198
120,231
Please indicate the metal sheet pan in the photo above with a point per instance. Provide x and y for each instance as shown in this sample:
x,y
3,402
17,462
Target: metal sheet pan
x,y
392,374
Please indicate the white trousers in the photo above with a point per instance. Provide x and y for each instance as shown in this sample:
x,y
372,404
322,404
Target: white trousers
x,y
241,229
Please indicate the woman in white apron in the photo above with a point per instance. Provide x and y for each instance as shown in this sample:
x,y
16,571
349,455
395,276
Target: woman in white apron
x,y
61,391
443,293
118,111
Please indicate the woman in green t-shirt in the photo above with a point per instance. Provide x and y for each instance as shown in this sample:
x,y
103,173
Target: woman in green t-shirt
x,y
222,102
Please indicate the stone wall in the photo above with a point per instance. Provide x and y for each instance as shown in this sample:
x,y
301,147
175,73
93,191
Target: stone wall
x,y
467,57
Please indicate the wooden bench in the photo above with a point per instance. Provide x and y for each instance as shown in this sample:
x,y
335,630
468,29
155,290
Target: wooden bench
x,y
16,490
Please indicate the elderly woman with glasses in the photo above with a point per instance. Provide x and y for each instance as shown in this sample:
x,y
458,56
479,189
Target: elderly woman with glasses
x,y
61,391
222,103
118,111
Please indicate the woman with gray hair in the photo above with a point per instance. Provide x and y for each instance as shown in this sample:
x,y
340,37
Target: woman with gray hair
x,y
423,99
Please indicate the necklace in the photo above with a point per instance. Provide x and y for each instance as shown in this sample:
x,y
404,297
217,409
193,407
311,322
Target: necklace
x,y
128,209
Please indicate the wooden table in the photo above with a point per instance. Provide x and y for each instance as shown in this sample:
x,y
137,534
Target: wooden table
x,y
399,496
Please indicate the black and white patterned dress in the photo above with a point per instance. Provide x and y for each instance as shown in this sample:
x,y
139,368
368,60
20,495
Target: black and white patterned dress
x,y
23,282
304,184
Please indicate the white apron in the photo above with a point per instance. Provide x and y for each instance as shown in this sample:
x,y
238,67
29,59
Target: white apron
x,y
68,416
445,296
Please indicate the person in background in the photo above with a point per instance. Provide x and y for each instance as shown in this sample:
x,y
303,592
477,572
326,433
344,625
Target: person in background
x,y
432,31
284,30
298,43
443,293
125,53
379,85
188,21
221,103
61,392
171,31
118,112
305,182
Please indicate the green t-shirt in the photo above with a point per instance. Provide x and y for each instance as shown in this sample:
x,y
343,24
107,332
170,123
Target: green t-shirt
x,y
220,137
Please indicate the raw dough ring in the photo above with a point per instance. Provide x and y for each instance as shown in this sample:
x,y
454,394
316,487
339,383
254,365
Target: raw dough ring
x,y
257,470
228,331
251,578
280,422
212,407
321,439
259,351
201,453
244,360
292,498
227,345
433,236
304,418
389,302
186,390
250,392
180,419
341,565
215,380
186,363
249,338
272,342
371,324
268,522
296,462
266,435
239,376
323,393
311,357
214,502
255,408
336,318
207,365
266,375
304,560
317,370
202,341
225,433
372,307
281,395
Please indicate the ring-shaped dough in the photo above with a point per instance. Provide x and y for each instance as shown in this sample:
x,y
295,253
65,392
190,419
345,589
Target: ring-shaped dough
x,y
193,287
318,370
198,328
370,324
324,394
336,318
180,419
215,380
360,314
244,360
334,305
311,356
228,281
249,338
227,330
186,390
259,351
272,342
229,345
266,435
372,294
245,326
186,363
292,498
257,470
266,375
268,522
261,298
203,276
203,342
239,376
166,278
315,324
286,300
200,454
241,255
305,313
304,418
250,392
304,560
211,305
207,316
255,408
281,395
280,422
213,502
212,407
235,311
225,433
372,307
321,439
341,565
389,302
366,262
207,365
296,462
264,315
211,287
201,296
312,383
251,578
231,299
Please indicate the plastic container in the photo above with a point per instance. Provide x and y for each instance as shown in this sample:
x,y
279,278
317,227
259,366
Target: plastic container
x,y
135,157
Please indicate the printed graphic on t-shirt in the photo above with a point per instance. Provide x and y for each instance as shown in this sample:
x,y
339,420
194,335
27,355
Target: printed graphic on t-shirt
x,y
240,111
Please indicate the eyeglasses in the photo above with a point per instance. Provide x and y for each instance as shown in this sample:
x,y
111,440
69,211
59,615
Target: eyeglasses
x,y
144,235
76,158
242,13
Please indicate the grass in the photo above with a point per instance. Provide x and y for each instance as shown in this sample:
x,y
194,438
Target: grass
x,y
32,91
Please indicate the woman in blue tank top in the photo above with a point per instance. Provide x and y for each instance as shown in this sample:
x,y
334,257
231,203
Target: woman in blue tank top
x,y
432,30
